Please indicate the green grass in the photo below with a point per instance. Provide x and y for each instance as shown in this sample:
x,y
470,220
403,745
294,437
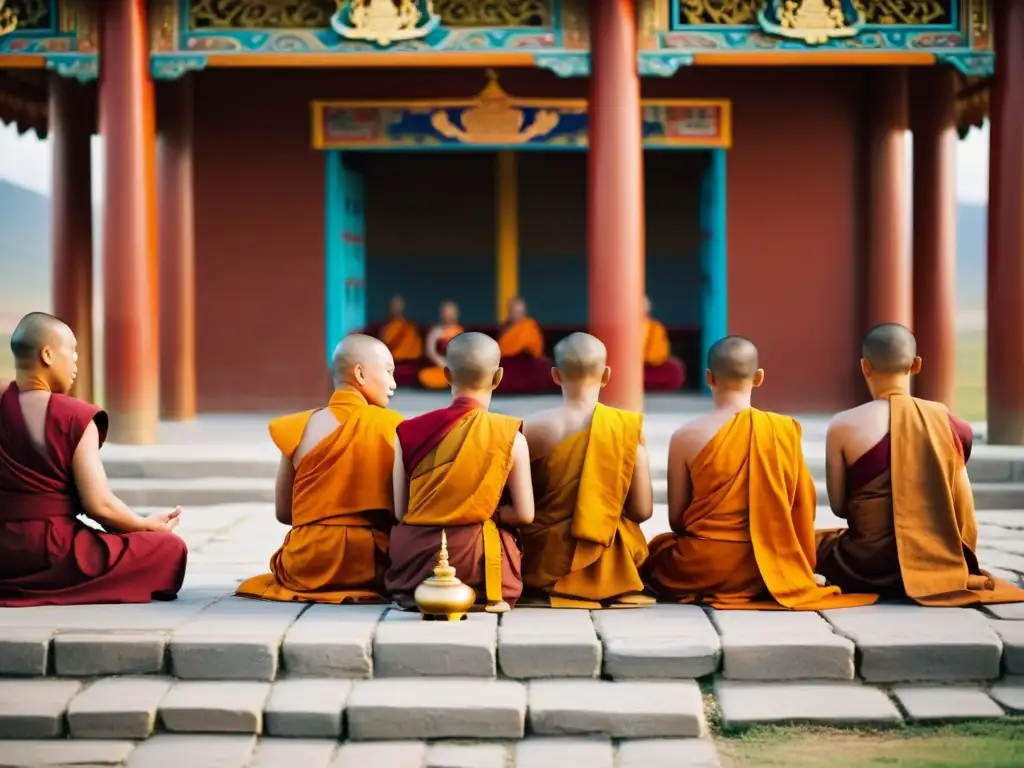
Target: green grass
x,y
6,361
969,396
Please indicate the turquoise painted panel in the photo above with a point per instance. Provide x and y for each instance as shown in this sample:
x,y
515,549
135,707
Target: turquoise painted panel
x,y
714,267
345,268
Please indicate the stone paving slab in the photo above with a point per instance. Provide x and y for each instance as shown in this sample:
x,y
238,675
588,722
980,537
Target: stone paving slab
x,y
432,708
667,753
1008,612
34,709
381,754
307,708
407,646
215,707
1009,692
1012,635
152,617
42,754
197,491
447,754
911,643
170,750
768,645
632,709
332,641
743,703
541,642
657,642
540,752
24,652
295,753
117,708
95,654
930,703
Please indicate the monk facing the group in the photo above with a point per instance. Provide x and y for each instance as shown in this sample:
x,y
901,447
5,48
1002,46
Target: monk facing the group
x,y
402,337
51,472
432,376
662,372
527,370
334,486
896,471
592,486
464,471
741,503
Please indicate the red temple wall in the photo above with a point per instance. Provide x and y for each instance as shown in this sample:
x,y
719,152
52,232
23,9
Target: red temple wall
x,y
793,223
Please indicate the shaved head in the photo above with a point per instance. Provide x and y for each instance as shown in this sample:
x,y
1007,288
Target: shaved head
x,y
890,348
35,331
357,349
580,356
733,358
473,359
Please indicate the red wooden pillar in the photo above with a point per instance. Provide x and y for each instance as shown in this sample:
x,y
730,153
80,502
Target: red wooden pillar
x,y
177,253
888,258
131,356
615,224
70,129
933,121
1005,380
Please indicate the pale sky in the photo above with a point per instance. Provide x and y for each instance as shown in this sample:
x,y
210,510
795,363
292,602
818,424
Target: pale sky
x,y
25,160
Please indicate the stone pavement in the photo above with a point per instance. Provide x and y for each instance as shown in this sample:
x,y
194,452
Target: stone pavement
x,y
214,680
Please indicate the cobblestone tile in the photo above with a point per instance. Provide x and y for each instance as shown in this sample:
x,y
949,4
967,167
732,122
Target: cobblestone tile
x,y
24,652
43,754
95,654
1010,693
657,642
622,710
332,641
744,703
381,754
295,753
34,709
911,643
1012,635
446,754
422,708
407,646
541,752
540,642
929,703
307,708
117,708
1007,611
664,753
142,617
222,707
767,645
169,750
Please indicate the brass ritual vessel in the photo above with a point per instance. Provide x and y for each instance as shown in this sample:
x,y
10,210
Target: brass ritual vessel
x,y
442,596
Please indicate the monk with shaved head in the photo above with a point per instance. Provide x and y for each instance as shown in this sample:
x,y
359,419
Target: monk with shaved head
x,y
464,471
50,473
741,502
896,471
334,486
403,339
527,370
592,486
447,328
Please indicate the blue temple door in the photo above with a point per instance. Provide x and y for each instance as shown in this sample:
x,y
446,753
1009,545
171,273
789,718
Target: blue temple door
x,y
714,282
346,251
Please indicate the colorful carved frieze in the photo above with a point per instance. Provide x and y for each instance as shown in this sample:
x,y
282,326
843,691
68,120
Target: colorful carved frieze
x,y
62,31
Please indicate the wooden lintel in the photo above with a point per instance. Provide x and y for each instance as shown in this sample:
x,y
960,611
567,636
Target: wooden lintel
x,y
22,61
364,60
815,59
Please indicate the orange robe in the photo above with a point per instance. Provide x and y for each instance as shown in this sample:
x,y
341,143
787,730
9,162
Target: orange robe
x,y
336,550
526,369
747,538
403,339
432,377
458,460
662,372
580,551
912,529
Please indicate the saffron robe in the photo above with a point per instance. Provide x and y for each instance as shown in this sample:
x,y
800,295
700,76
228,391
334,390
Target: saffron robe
x,y
432,377
402,337
747,538
526,369
580,550
912,532
47,555
662,372
458,460
337,548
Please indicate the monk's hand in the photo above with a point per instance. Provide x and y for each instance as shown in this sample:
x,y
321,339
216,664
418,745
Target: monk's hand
x,y
164,521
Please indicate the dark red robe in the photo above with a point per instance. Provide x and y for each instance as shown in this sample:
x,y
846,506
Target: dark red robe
x,y
526,375
47,555
667,377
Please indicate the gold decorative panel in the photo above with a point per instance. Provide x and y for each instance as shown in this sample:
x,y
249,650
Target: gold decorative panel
x,y
494,13
744,12
31,14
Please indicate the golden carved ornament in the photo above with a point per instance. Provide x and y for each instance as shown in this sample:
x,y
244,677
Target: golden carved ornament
x,y
494,119
8,20
384,21
813,21
494,13
443,596
261,14
744,12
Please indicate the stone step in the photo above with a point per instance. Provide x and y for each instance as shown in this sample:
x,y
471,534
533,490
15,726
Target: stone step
x,y
200,491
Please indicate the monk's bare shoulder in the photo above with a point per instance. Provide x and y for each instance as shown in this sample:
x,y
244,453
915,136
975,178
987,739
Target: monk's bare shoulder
x,y
690,439
544,430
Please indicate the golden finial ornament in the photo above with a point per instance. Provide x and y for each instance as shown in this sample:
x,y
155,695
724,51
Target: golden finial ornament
x,y
443,596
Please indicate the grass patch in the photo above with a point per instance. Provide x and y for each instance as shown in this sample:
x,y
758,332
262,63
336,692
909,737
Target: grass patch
x,y
6,361
969,395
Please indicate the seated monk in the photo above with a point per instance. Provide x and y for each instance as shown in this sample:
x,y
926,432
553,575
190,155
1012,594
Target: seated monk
x,y
592,488
334,486
51,472
662,372
741,503
896,471
527,370
403,339
432,377
464,471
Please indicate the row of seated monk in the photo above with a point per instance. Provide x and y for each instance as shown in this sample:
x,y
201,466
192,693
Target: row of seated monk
x,y
542,512
419,357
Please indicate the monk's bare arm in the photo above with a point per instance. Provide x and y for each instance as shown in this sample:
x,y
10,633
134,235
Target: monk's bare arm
x,y
400,483
283,486
520,487
640,498
680,488
835,469
430,345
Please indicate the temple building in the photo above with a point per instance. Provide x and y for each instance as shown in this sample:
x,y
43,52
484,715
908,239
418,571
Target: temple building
x,y
275,171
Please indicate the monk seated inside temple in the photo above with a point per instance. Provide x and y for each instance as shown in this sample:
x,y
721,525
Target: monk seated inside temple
x,y
592,488
402,337
526,369
896,471
432,376
464,471
51,472
662,372
741,503
334,486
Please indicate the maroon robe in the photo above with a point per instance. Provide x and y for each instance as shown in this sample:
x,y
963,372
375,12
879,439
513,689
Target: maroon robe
x,y
667,377
47,555
526,375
